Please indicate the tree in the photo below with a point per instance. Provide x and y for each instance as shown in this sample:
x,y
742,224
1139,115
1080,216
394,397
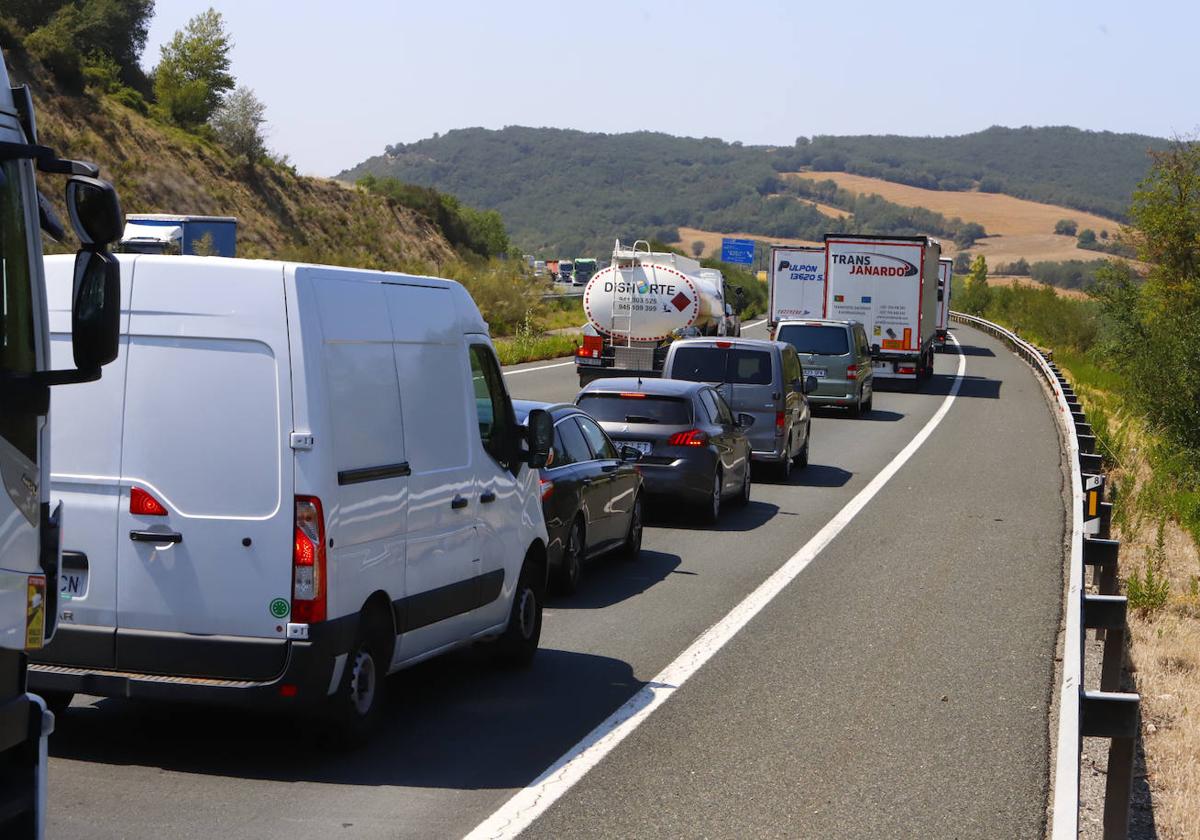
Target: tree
x,y
962,262
977,295
238,124
697,248
968,233
1087,238
1065,227
69,35
192,77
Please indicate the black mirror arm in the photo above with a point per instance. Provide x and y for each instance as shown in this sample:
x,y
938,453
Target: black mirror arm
x,y
59,166
66,377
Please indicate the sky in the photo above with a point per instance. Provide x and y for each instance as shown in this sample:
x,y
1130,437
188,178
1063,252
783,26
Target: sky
x,y
341,80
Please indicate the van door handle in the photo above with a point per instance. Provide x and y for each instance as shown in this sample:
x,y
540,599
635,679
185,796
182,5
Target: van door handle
x,y
487,497
156,536
459,502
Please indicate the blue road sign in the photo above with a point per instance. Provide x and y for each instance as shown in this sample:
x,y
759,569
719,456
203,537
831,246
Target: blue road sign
x,y
737,251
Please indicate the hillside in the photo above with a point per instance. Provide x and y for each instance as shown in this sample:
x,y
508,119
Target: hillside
x,y
157,168
569,191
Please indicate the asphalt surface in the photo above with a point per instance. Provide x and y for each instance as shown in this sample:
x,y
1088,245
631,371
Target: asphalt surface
x,y
898,687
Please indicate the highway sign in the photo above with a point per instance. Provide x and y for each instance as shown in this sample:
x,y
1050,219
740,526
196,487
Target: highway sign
x,y
737,251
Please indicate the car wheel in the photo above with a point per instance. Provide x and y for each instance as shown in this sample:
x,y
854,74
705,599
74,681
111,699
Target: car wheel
x,y
712,511
802,457
631,549
519,641
743,498
353,709
571,567
783,470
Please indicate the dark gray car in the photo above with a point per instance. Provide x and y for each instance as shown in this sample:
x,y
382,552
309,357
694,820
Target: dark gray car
x,y
760,378
693,446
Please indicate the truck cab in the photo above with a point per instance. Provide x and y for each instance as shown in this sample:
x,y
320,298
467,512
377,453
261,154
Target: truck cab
x,y
29,529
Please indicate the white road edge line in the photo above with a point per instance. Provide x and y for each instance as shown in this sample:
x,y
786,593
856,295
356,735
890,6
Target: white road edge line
x,y
564,364
515,815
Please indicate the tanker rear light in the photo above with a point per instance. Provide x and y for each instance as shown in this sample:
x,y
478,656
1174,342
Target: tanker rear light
x,y
905,369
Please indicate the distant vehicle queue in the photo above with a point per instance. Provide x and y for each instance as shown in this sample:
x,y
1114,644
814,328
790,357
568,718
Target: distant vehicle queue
x,y
320,477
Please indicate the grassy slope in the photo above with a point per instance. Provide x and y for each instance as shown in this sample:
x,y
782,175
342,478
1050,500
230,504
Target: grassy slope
x,y
157,168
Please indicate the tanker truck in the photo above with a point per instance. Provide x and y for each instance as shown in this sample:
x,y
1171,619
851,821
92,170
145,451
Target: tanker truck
x,y
639,304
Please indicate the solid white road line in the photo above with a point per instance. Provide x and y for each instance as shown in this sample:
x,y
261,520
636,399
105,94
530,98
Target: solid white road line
x,y
540,367
528,804
753,325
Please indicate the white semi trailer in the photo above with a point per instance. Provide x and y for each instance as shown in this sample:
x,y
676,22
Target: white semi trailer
x,y
889,285
945,276
641,302
796,283
29,530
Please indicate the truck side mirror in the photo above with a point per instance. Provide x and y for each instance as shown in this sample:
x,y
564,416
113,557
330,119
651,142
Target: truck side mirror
x,y
541,437
95,310
95,212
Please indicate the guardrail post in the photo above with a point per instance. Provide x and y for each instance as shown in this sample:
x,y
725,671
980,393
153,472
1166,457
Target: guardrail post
x,y
1102,555
1105,520
1083,428
1107,613
1090,462
1115,716
1087,443
1077,415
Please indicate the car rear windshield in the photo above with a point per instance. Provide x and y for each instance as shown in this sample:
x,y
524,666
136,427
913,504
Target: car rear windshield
x,y
821,341
715,364
614,408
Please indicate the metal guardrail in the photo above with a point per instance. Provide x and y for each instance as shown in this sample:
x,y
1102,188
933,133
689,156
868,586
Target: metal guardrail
x,y
1107,712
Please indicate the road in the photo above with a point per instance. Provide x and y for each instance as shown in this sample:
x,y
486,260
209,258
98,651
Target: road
x,y
898,686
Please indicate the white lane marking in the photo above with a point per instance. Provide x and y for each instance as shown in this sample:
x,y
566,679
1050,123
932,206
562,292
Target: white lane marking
x,y
515,815
755,324
541,367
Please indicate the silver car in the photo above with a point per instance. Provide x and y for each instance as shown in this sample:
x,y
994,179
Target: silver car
x,y
760,378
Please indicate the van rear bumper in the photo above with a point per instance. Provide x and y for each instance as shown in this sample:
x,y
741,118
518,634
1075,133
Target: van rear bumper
x,y
304,679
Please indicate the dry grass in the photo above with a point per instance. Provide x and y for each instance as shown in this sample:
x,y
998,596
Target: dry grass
x,y
712,240
1009,280
1164,646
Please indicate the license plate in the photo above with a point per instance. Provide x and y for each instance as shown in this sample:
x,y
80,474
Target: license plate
x,y
820,373
588,360
642,446
881,365
73,584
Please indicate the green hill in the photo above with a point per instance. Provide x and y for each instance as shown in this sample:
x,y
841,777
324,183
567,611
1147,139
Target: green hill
x,y
570,191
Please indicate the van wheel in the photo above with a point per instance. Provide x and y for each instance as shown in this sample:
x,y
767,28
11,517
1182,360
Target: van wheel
x,y
57,701
631,549
802,457
712,510
783,470
354,708
868,406
519,642
571,567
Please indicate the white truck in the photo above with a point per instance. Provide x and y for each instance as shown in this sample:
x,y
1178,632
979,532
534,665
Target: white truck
x,y
640,303
29,531
796,286
889,285
945,276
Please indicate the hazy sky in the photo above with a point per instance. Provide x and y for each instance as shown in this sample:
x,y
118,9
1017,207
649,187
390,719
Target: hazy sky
x,y
343,78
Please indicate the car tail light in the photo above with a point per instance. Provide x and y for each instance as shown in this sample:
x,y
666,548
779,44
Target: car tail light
x,y
547,488
692,437
780,419
724,345
143,504
852,372
308,562
632,395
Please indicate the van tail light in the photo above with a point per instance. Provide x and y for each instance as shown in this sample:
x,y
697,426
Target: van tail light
x,y
547,488
142,503
780,419
309,576
852,372
692,437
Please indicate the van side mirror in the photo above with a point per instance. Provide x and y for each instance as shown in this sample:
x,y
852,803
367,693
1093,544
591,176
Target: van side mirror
x,y
540,434
95,212
810,384
95,309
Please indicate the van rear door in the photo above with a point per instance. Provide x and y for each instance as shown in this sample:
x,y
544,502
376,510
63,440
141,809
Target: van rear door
x,y
207,422
744,376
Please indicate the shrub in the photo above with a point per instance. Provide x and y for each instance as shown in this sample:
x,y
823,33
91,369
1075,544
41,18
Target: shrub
x,y
1065,227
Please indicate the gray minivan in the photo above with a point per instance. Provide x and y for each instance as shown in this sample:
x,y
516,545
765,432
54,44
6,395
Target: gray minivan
x,y
761,378
838,355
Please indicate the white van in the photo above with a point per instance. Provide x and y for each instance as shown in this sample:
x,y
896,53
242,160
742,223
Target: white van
x,y
292,480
